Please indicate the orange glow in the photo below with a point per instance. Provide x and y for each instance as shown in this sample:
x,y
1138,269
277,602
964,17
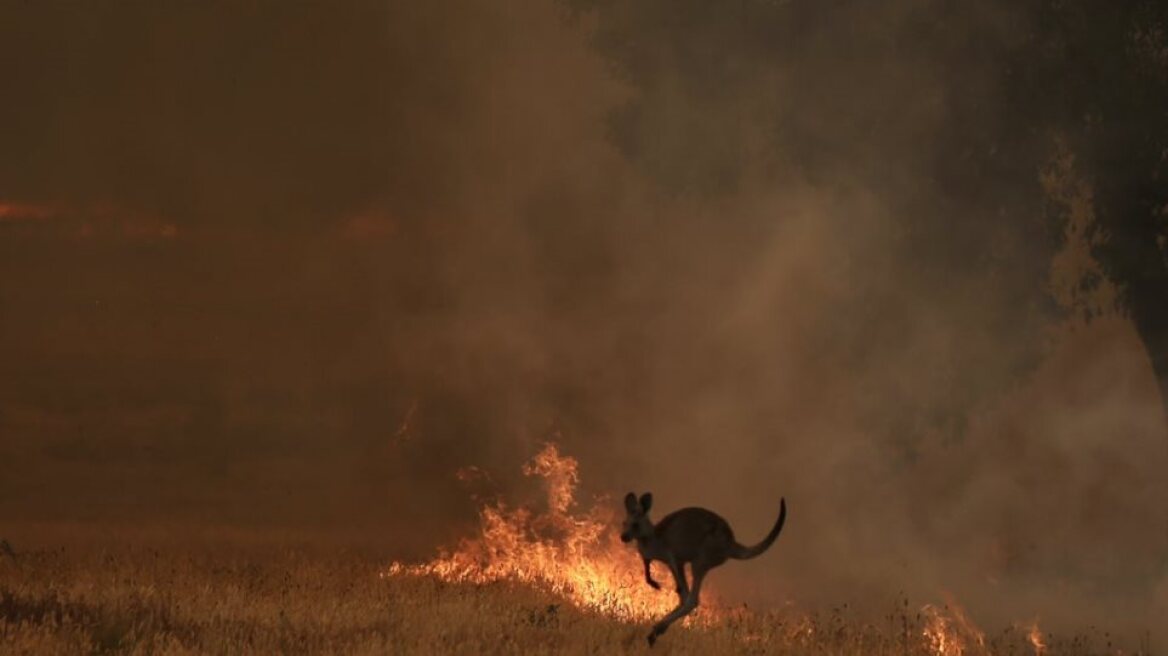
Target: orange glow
x,y
576,555
91,220
948,632
25,212
1036,641
369,225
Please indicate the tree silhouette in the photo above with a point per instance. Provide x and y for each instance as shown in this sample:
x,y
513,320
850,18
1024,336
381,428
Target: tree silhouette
x,y
949,109
1097,74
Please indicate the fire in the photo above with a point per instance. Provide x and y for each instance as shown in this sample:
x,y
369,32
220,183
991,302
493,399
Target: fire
x,y
948,632
575,555
1034,635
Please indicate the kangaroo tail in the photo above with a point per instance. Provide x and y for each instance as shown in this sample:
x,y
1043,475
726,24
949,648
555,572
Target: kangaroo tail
x,y
742,553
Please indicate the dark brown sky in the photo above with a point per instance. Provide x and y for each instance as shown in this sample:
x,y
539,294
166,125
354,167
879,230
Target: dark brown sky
x,y
278,263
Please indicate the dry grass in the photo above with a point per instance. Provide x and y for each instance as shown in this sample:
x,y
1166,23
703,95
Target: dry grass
x,y
180,600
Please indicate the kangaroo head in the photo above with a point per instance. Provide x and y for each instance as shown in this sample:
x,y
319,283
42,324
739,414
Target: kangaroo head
x,y
637,525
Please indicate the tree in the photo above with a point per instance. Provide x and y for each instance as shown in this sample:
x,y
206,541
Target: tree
x,y
948,109
1097,73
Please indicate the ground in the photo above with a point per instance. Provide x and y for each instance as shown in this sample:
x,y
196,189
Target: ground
x,y
228,596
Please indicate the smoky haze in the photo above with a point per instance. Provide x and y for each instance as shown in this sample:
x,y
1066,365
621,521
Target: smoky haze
x,y
280,265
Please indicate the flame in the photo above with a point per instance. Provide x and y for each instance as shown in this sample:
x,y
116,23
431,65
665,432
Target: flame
x,y
575,555
800,630
1036,641
948,632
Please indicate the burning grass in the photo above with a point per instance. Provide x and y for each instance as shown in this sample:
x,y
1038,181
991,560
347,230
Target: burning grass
x,y
233,599
228,597
530,582
574,554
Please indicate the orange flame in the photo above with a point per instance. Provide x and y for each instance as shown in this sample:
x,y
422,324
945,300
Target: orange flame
x,y
1036,641
948,632
574,555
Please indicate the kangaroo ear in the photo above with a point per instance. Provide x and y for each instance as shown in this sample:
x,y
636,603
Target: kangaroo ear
x,y
631,503
646,501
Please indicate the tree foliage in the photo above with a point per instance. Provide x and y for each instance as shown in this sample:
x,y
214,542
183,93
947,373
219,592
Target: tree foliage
x,y
948,110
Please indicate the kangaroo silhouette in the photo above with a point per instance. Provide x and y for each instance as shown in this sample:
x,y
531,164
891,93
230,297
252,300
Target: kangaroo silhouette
x,y
695,536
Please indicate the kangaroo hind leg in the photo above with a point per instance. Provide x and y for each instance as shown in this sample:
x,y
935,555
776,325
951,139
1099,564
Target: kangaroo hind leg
x,y
678,571
687,600
699,573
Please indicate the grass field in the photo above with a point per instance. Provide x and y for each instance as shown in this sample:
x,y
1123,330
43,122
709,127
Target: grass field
x,y
268,598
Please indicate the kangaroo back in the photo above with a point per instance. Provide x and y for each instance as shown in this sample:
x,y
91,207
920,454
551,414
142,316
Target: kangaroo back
x,y
742,552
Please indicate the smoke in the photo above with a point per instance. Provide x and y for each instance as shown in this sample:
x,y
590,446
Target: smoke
x,y
725,255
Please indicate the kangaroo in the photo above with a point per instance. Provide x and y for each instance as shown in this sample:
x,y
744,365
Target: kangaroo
x,y
691,535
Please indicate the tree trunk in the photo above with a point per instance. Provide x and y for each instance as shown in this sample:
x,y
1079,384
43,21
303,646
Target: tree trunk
x,y
1138,258
1133,257
1148,302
